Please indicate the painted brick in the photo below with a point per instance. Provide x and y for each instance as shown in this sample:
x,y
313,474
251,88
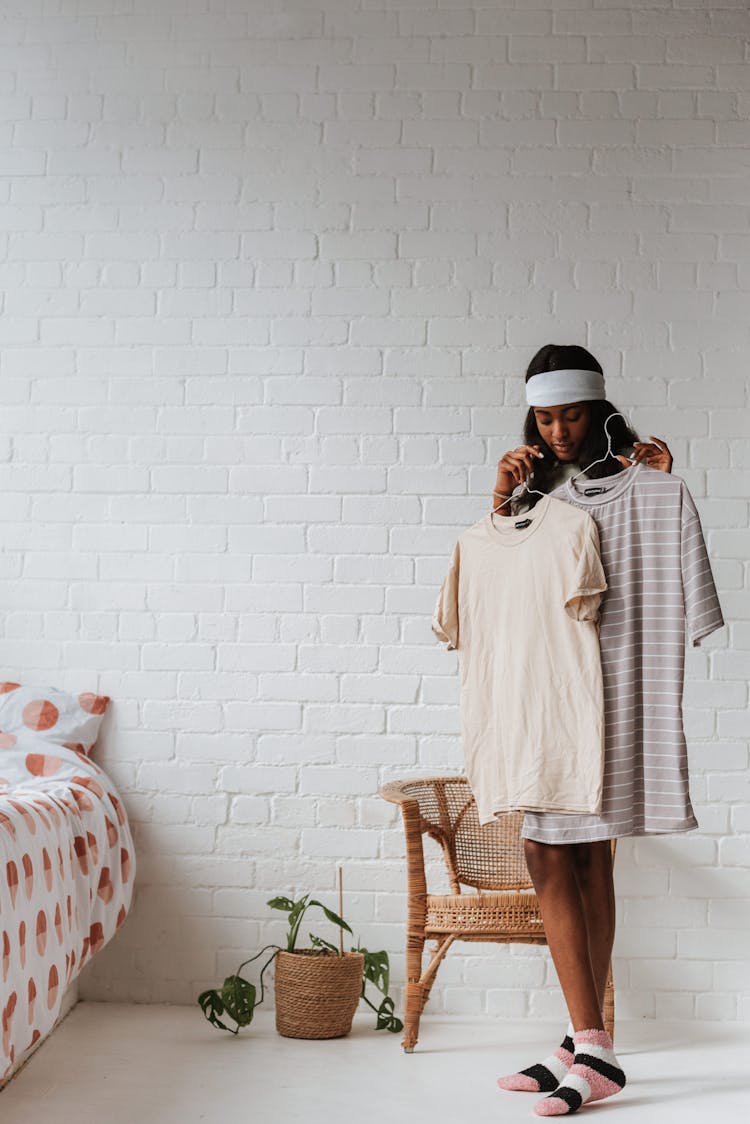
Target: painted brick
x,y
263,348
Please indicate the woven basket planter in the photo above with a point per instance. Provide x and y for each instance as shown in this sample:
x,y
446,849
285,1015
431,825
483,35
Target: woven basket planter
x,y
317,993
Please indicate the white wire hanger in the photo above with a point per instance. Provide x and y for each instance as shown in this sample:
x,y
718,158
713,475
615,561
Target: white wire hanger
x,y
525,491
609,452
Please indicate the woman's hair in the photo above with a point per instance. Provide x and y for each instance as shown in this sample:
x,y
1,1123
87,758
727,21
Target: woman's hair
x,y
558,357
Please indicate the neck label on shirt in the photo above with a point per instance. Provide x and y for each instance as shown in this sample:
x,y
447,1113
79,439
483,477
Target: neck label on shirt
x,y
594,491
522,523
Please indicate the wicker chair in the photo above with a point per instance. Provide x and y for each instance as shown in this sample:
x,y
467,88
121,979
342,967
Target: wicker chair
x,y
489,858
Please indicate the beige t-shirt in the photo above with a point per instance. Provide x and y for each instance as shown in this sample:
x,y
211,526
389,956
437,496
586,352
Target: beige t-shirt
x,y
521,606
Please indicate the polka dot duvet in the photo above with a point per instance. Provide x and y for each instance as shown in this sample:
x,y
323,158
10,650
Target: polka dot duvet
x,y
66,857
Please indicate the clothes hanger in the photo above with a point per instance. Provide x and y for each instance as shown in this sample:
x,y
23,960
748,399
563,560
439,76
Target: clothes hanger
x,y
525,491
609,452
534,491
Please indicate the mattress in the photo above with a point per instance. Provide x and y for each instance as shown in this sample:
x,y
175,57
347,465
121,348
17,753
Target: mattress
x,y
66,884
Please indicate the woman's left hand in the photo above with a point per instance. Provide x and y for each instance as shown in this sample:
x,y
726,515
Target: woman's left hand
x,y
654,452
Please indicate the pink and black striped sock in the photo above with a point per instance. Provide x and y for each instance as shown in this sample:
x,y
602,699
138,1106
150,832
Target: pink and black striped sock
x,y
545,1075
594,1075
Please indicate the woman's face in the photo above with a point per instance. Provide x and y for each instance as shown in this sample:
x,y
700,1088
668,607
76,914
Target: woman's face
x,y
563,427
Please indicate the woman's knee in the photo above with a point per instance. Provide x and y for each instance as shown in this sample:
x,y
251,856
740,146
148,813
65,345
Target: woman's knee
x,y
593,861
546,861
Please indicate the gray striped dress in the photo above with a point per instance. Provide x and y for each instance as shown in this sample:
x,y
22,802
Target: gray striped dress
x,y
660,585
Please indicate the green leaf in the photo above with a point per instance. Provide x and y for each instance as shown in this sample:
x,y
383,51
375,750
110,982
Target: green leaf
x,y
238,997
320,942
334,917
377,969
298,908
295,918
212,1007
281,903
386,1018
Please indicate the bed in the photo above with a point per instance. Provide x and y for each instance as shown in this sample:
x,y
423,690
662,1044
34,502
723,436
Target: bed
x,y
66,859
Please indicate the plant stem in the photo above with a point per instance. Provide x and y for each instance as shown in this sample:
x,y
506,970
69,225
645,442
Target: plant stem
x,y
263,970
367,1001
242,965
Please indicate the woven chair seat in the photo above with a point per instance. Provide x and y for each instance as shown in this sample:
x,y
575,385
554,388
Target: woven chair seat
x,y
506,914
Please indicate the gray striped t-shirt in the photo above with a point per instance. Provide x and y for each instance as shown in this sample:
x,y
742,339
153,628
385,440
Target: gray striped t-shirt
x,y
660,585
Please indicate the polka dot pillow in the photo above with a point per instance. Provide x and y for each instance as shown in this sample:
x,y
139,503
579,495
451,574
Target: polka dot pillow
x,y
51,714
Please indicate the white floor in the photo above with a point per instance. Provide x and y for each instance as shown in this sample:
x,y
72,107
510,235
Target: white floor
x,y
128,1064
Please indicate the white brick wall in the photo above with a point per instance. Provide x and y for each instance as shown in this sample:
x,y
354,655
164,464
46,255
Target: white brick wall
x,y
271,274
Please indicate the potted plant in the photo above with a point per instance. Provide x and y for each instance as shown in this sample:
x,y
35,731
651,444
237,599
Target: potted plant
x,y
316,989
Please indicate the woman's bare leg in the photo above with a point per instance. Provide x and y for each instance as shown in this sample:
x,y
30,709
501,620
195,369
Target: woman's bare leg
x,y
553,871
593,869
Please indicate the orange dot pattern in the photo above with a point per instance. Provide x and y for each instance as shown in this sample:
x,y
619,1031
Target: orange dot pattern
x,y
56,716
67,861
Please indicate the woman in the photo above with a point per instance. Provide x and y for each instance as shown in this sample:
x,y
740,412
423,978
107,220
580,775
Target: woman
x,y
574,880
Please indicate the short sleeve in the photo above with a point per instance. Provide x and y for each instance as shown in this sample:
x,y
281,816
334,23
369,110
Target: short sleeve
x,y
589,583
445,617
702,609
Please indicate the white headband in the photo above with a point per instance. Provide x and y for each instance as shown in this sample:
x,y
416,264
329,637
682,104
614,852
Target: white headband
x,y
553,388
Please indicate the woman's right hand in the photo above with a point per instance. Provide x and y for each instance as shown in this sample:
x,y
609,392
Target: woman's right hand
x,y
513,468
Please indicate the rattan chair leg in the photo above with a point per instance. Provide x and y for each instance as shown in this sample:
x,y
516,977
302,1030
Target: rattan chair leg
x,y
418,990
413,997
413,1004
438,955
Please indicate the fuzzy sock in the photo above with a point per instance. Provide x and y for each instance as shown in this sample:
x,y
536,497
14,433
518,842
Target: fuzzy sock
x,y
594,1075
545,1075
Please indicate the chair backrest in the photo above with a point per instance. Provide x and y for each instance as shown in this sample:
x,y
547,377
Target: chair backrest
x,y
488,857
